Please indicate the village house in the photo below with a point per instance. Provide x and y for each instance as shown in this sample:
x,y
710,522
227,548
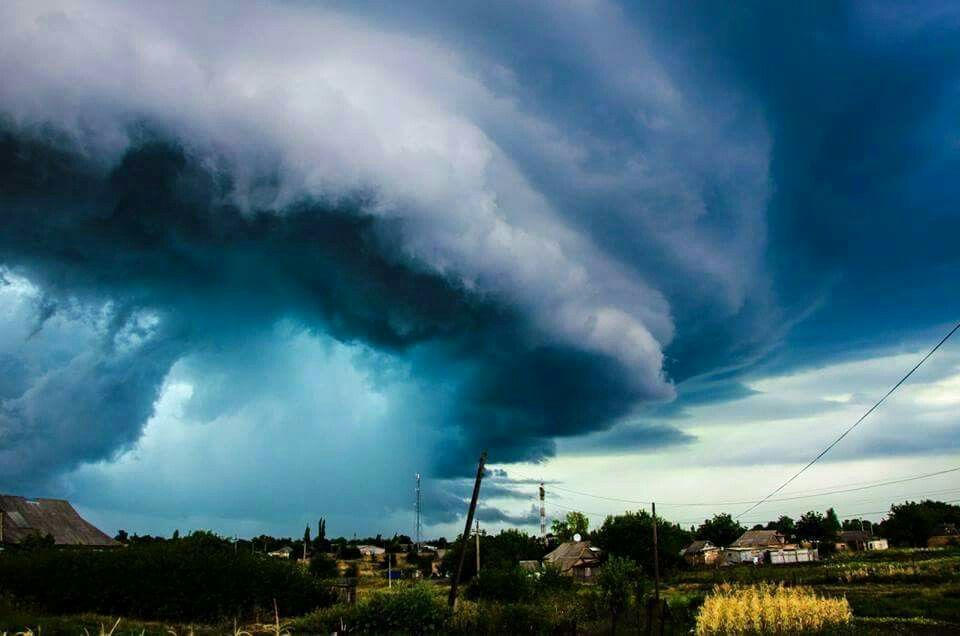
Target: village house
x,y
944,534
701,552
766,546
281,553
576,558
861,540
21,517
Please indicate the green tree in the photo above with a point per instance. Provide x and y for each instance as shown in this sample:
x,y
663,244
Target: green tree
x,y
721,530
831,523
784,525
911,523
810,526
631,535
615,581
497,551
322,566
573,523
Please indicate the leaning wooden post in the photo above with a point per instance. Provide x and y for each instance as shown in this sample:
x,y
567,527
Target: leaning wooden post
x,y
466,531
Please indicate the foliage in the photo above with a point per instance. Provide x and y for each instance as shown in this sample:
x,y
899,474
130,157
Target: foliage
x,y
348,552
615,582
631,535
200,577
552,580
766,609
721,530
507,584
573,523
322,566
811,526
911,523
409,609
36,541
503,550
784,525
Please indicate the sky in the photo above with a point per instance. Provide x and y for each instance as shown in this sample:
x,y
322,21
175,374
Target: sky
x,y
261,263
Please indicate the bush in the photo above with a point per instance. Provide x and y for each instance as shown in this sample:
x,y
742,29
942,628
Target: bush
x,y
502,584
323,567
199,578
411,609
766,609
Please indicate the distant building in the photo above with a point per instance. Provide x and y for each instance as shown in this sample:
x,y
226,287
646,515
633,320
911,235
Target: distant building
x,y
861,540
530,566
701,553
944,534
281,553
576,558
21,517
371,550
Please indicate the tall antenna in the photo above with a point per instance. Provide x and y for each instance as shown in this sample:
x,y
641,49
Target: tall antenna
x,y
418,513
543,513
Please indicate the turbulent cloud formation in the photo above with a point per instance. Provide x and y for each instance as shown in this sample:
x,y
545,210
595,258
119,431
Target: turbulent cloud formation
x,y
502,228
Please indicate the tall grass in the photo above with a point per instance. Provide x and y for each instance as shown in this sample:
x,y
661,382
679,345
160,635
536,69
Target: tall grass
x,y
769,609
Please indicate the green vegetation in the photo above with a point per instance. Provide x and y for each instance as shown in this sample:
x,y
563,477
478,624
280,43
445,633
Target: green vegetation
x,y
198,578
205,579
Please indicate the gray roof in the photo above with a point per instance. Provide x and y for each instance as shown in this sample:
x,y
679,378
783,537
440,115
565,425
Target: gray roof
x,y
699,545
759,539
574,554
56,517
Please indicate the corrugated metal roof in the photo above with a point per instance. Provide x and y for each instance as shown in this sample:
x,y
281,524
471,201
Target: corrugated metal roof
x,y
759,539
55,517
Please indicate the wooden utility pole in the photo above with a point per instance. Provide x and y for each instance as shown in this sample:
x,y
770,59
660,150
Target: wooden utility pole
x,y
466,531
656,556
478,547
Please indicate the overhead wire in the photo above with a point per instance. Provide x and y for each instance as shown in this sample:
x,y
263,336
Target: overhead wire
x,y
855,424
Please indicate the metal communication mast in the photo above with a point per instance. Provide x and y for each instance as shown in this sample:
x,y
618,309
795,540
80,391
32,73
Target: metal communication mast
x,y
418,530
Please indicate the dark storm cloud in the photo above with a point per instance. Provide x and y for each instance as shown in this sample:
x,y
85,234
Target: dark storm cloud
x,y
156,233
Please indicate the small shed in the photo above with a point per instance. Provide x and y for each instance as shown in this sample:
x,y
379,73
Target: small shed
x,y
861,540
576,558
944,534
701,552
21,517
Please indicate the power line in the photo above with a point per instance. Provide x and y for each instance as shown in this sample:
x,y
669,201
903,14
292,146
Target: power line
x,y
758,501
855,424
695,521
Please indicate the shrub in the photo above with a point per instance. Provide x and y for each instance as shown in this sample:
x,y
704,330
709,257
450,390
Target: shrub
x,y
502,584
323,567
765,609
551,580
615,581
411,609
198,578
